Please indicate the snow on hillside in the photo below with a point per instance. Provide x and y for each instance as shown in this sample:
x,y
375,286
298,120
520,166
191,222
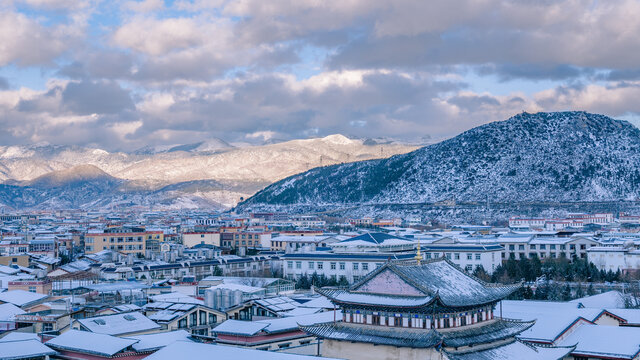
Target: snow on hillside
x,y
236,172
566,156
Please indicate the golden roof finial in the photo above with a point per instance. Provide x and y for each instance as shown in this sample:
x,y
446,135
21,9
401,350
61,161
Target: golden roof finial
x,y
418,255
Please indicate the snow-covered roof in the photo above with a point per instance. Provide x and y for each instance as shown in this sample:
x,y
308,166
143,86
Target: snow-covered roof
x,y
514,350
631,316
293,322
239,327
551,318
155,341
619,342
19,336
176,297
92,343
278,303
24,349
8,311
119,324
21,297
178,349
349,297
610,299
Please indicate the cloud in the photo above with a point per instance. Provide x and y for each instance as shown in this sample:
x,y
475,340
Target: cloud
x,y
144,6
121,74
25,42
96,97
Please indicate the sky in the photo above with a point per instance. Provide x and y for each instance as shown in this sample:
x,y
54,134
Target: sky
x,y
121,75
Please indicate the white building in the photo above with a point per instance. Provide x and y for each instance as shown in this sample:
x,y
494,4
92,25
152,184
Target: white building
x,y
614,258
335,265
191,239
467,256
527,245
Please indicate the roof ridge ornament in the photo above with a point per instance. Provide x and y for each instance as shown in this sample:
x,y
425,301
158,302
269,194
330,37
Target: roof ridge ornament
x,y
418,255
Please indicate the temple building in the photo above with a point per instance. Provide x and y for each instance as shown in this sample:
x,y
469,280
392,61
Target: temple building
x,y
431,310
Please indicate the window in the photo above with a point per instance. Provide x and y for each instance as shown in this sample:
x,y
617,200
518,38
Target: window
x,y
355,266
469,268
512,247
552,247
520,247
457,256
284,345
193,318
543,247
289,264
298,264
469,256
182,323
477,256
203,318
212,319
532,247
427,256
320,265
311,265
397,321
572,247
342,265
365,266
448,256
32,289
47,327
332,266
583,247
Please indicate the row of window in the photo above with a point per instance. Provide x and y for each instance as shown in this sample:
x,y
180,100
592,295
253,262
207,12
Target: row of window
x,y
552,255
333,265
455,256
244,243
544,247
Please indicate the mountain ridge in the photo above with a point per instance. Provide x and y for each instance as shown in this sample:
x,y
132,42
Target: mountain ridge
x,y
211,173
559,156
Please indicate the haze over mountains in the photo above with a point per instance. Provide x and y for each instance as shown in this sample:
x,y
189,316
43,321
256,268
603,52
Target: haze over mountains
x,y
204,174
555,157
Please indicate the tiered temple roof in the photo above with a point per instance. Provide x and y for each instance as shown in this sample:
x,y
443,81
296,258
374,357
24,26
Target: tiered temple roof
x,y
434,305
419,338
419,286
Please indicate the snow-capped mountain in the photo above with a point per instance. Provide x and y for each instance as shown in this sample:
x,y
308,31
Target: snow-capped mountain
x,y
209,173
555,157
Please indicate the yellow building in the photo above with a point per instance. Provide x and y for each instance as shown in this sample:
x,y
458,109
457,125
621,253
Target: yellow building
x,y
122,242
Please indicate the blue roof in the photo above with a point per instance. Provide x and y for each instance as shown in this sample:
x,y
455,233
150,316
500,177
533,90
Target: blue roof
x,y
338,256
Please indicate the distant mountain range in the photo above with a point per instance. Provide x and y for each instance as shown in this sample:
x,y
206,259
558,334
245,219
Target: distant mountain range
x,y
554,157
213,173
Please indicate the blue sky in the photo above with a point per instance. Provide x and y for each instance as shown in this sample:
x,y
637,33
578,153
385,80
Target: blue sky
x,y
120,75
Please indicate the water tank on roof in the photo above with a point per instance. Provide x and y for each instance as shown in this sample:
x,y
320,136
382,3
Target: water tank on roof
x,y
208,298
237,297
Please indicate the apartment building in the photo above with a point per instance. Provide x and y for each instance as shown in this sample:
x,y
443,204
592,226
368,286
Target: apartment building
x,y
126,241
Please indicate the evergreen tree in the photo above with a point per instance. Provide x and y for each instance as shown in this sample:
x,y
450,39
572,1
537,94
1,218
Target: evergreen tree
x,y
566,293
481,274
